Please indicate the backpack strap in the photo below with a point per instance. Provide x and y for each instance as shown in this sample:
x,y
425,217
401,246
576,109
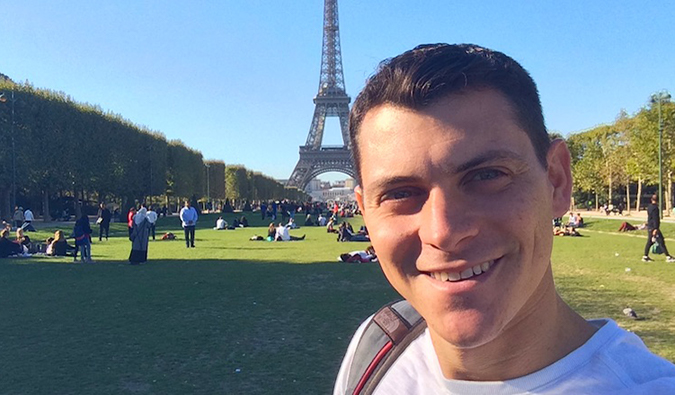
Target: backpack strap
x,y
385,338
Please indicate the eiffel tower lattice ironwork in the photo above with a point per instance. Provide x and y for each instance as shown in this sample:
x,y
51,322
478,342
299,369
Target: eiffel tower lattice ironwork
x,y
331,101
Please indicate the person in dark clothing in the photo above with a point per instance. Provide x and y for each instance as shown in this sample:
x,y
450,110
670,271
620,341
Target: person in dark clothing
x,y
82,234
7,246
103,221
653,231
139,238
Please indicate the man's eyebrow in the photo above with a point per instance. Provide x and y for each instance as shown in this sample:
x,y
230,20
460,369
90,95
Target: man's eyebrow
x,y
488,156
387,182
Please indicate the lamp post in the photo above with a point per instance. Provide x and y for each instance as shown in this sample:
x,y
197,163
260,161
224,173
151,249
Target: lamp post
x,y
3,99
208,185
658,98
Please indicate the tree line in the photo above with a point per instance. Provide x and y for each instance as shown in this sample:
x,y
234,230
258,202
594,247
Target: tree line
x,y
618,163
60,151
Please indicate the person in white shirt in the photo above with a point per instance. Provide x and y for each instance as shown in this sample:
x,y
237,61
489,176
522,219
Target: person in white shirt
x,y
458,184
28,219
151,215
282,234
221,224
188,217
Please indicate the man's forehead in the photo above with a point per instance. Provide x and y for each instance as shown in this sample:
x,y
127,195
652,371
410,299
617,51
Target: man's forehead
x,y
466,105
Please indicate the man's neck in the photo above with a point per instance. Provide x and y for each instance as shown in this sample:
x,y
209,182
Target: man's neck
x,y
543,332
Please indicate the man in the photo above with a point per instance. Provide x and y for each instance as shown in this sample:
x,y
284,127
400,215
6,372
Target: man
x,y
282,234
188,217
654,232
458,186
152,219
221,224
28,218
104,216
18,217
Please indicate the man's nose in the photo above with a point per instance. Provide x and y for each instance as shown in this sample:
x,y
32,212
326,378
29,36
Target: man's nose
x,y
448,220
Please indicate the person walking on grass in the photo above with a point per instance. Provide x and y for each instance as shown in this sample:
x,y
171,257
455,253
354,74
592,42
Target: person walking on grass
x,y
188,217
654,232
103,221
139,237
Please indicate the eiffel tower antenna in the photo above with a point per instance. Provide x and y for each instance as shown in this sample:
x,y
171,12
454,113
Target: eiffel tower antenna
x,y
331,101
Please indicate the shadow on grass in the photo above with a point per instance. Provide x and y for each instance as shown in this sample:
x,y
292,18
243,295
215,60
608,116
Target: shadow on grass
x,y
176,326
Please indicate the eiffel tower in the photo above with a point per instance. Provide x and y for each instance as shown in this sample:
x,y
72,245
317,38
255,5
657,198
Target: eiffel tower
x,y
331,101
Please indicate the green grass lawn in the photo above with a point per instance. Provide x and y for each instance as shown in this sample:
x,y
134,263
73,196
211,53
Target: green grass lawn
x,y
252,317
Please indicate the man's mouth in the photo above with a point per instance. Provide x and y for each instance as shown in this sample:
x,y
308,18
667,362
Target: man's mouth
x,y
463,275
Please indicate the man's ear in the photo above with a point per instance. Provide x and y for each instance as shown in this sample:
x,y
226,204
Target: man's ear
x,y
358,193
560,176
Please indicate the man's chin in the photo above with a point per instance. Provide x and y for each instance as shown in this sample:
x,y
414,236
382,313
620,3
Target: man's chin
x,y
464,330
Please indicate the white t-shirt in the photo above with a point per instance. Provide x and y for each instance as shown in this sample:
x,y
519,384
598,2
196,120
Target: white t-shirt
x,y
221,224
28,216
613,361
282,232
151,216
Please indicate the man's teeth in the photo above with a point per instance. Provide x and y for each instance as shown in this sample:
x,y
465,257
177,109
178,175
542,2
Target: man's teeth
x,y
467,273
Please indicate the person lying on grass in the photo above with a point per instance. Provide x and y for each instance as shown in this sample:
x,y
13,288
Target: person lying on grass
x,y
359,256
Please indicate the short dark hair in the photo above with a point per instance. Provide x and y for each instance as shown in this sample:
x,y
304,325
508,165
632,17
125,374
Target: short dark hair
x,y
420,77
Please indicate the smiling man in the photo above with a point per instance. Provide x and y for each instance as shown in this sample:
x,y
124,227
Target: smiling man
x,y
458,186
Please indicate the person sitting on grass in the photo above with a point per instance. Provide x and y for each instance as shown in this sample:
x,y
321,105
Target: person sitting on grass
x,y
579,221
572,220
360,256
60,247
308,220
271,232
346,233
321,221
23,239
291,224
7,246
282,234
330,228
221,224
243,222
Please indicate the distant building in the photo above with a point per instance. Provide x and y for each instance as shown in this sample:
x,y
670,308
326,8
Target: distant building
x,y
339,194
337,190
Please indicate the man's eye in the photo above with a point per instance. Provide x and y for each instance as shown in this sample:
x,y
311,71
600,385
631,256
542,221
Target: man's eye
x,y
486,175
398,194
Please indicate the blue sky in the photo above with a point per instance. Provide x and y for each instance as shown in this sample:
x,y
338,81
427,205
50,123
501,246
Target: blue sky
x,y
235,79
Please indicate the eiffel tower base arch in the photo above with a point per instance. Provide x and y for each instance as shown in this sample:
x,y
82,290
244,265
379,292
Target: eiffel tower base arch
x,y
318,161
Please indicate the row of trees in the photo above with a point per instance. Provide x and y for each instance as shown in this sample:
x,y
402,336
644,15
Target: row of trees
x,y
615,163
57,149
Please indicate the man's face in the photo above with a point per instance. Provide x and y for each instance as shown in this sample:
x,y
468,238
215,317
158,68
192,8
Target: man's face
x,y
454,190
